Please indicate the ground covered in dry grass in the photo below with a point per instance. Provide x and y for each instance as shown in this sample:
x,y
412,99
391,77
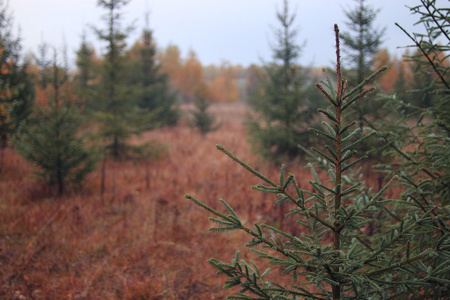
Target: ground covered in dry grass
x,y
142,239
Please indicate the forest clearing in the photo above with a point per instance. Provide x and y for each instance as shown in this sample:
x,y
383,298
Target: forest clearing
x,y
144,240
140,174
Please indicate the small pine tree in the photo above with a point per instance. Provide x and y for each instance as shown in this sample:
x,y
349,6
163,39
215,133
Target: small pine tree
x,y
50,139
353,264
284,109
150,85
203,120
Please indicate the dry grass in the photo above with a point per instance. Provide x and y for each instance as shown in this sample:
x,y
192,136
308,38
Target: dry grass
x,y
143,240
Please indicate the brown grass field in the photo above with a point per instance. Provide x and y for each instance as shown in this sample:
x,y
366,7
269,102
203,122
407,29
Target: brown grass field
x,y
143,240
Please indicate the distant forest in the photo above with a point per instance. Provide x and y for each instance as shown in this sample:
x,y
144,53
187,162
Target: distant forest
x,y
222,82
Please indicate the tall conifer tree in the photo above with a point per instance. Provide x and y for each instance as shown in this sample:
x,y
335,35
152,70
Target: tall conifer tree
x,y
360,44
86,71
119,115
281,100
44,64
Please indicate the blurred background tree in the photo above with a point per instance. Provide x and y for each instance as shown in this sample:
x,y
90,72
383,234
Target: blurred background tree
x,y
360,46
86,73
151,88
114,101
16,89
284,108
203,120
51,140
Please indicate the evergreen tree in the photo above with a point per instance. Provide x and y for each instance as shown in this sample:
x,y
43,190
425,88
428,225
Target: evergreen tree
x,y
117,111
86,71
361,44
202,119
396,261
50,138
281,101
417,140
16,88
84,63
151,85
44,65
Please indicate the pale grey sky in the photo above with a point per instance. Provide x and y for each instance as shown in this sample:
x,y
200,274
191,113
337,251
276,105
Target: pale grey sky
x,y
238,31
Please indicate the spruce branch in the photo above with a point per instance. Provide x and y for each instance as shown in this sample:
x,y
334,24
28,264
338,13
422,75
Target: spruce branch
x,y
412,183
399,236
331,160
274,188
202,205
328,114
400,264
232,222
345,128
330,86
443,17
358,141
366,81
361,210
317,131
427,56
319,86
304,293
245,165
391,143
345,168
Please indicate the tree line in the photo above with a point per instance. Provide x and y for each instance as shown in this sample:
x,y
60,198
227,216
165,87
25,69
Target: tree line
x,y
122,92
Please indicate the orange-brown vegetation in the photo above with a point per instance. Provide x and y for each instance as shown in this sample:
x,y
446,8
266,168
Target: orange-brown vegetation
x,y
389,78
192,80
143,240
404,67
5,92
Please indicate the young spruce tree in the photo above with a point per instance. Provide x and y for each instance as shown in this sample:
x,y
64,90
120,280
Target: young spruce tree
x,y
116,109
285,109
150,85
51,140
86,71
360,45
203,120
351,264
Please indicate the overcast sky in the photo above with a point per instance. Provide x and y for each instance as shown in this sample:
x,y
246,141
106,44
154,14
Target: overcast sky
x,y
238,31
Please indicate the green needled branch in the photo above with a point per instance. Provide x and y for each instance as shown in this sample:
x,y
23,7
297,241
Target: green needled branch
x,y
345,241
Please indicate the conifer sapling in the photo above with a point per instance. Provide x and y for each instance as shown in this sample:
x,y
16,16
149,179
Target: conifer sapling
x,y
350,264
